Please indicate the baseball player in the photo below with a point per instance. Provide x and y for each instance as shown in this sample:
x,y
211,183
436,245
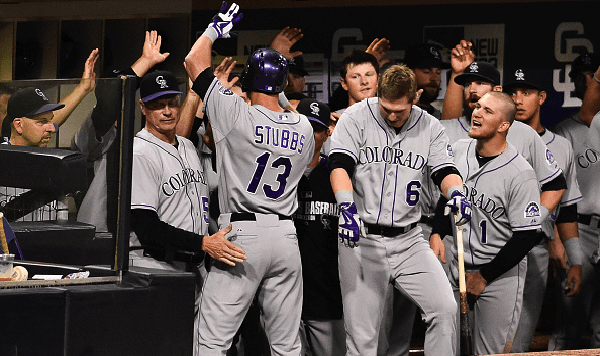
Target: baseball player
x,y
169,195
97,134
528,96
378,153
504,225
262,151
574,314
473,80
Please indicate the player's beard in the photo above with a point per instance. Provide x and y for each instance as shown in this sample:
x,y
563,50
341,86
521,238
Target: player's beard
x,y
430,93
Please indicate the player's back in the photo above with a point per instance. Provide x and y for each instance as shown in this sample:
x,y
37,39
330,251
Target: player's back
x,y
260,161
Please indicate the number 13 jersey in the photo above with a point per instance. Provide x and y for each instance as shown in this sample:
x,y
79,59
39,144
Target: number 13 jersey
x,y
261,154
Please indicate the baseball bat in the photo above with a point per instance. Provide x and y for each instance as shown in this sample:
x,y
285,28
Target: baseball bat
x,y
3,236
465,331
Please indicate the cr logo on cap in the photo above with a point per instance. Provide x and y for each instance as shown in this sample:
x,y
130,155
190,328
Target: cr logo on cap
x,y
519,74
162,82
39,92
474,68
314,108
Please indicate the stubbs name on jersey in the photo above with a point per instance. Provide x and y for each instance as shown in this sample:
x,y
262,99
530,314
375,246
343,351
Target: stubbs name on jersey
x,y
277,137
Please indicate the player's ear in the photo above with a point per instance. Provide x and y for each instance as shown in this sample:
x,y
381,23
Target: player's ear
x,y
344,85
142,108
18,124
543,96
504,126
417,96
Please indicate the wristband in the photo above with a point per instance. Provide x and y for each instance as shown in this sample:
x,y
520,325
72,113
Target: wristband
x,y
211,33
344,196
454,188
574,253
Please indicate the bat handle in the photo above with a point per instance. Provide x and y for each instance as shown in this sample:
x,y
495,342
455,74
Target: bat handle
x,y
465,332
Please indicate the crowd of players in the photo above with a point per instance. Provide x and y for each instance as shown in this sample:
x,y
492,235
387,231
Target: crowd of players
x,y
307,245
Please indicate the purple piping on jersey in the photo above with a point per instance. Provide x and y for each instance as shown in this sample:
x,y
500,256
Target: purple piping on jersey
x,y
463,126
552,176
209,92
416,122
394,199
566,202
552,139
183,167
387,142
525,227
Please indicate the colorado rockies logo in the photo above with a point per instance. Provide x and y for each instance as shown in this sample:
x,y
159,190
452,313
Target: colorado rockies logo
x,y
532,210
519,74
434,52
549,157
314,109
39,92
474,68
162,82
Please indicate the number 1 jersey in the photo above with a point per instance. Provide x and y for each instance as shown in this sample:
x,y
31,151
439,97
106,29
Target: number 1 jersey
x,y
261,154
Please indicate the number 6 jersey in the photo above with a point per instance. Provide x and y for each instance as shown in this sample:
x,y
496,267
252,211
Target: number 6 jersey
x,y
261,154
390,166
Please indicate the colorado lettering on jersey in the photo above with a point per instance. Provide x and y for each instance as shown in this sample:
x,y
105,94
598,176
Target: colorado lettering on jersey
x,y
178,181
488,205
278,137
391,155
588,158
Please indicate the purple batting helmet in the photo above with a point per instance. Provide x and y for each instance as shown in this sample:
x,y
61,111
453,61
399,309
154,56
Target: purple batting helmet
x,y
266,71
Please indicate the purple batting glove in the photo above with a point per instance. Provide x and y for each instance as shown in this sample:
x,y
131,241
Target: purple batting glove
x,y
224,21
459,205
349,226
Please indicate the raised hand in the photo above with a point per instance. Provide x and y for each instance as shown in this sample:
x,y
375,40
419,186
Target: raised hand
x,y
223,22
378,48
461,56
284,41
223,70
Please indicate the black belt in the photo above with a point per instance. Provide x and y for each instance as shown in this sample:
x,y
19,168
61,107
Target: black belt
x,y
252,217
388,231
180,256
590,220
428,220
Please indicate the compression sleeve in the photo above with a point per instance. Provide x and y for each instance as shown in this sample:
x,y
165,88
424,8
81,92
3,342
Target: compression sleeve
x,y
511,253
153,232
202,82
340,160
439,175
557,183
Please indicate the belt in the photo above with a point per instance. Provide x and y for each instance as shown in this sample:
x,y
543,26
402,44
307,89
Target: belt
x,y
591,220
428,220
388,231
252,217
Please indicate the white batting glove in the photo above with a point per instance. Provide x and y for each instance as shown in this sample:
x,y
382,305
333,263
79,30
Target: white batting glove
x,y
223,22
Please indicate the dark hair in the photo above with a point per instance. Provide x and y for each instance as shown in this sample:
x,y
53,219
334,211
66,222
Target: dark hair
x,y
357,57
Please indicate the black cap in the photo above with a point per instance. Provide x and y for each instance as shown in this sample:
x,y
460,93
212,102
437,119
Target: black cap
x,y
296,66
26,102
424,56
479,71
587,62
156,84
523,78
315,110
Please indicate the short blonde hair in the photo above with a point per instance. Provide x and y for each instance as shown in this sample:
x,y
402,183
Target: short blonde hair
x,y
396,82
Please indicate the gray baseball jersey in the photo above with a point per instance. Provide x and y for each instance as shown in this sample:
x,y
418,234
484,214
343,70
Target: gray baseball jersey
x,y
504,196
593,137
263,176
587,161
390,167
525,139
563,154
170,181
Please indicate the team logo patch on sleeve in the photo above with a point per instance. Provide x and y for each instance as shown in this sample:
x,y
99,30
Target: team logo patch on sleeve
x,y
449,151
532,210
225,91
549,157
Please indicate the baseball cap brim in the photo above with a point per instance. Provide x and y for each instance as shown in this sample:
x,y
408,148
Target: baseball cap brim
x,y
314,119
461,79
521,84
159,94
46,108
298,71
